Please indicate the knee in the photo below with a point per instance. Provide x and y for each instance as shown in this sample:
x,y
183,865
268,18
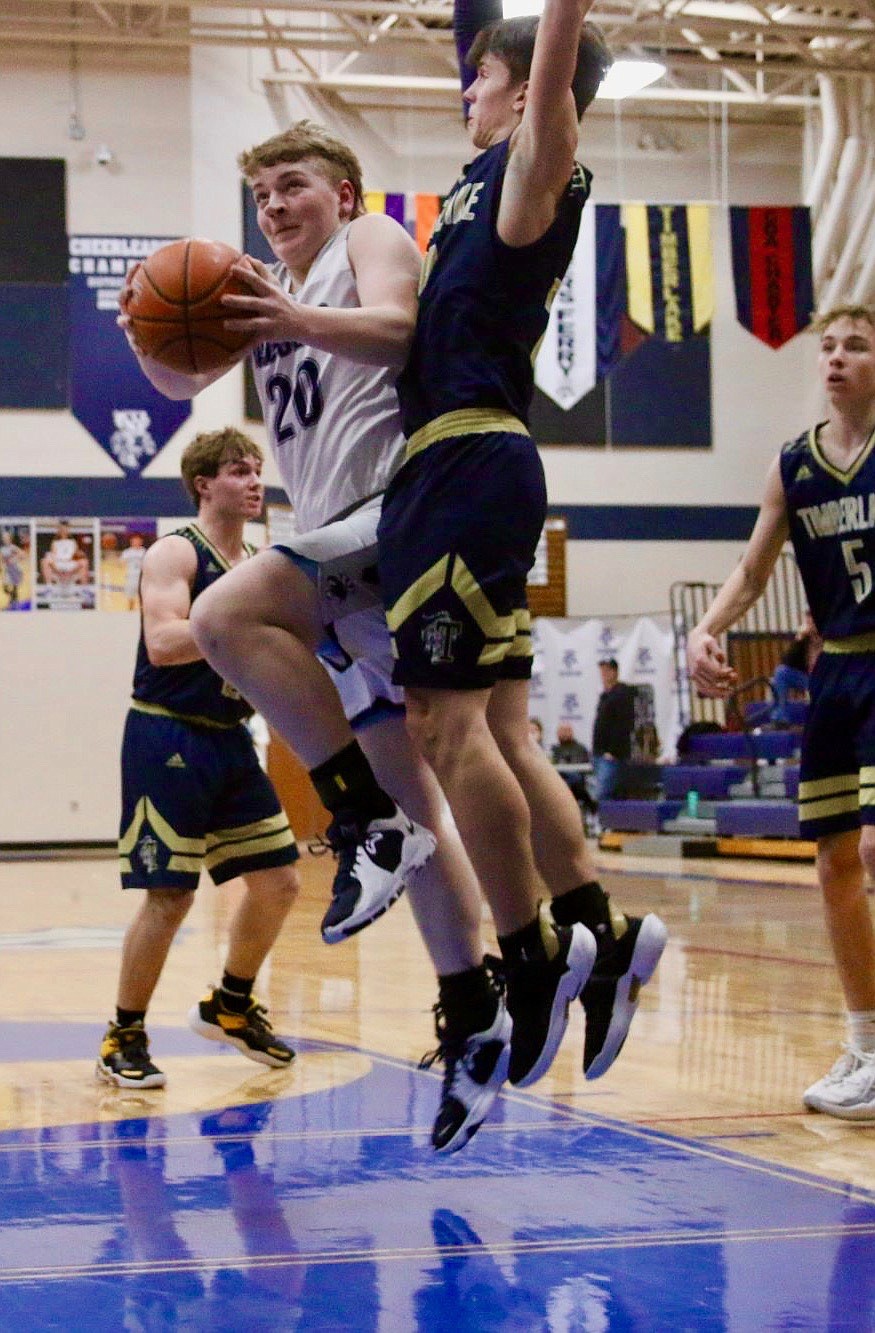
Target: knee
x,y
438,732
867,850
168,907
276,890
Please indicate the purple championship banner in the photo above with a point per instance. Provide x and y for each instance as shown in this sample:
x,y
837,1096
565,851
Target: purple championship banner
x,y
109,394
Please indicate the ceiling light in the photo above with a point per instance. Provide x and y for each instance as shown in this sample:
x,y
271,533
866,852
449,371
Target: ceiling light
x,y
627,77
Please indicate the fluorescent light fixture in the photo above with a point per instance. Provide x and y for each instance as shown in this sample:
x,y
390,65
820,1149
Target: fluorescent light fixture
x,y
514,9
627,77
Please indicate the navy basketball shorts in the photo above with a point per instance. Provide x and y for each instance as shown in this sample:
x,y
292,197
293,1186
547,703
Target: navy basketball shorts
x,y
837,772
194,796
457,537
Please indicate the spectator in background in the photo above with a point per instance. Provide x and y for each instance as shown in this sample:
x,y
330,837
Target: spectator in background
x,y
536,731
567,752
790,678
612,731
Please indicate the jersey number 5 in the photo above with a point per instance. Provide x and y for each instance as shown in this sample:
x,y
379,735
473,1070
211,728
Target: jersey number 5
x,y
859,570
303,400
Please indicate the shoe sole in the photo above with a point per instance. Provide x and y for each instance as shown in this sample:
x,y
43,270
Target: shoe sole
x,y
580,962
419,851
859,1113
213,1032
119,1080
649,946
481,1106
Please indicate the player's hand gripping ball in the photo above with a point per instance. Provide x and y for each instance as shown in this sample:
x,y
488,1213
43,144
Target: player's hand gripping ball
x,y
175,310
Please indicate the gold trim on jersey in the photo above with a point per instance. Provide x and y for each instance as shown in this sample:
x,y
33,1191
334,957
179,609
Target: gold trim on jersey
x,y
158,710
187,853
464,421
845,477
854,643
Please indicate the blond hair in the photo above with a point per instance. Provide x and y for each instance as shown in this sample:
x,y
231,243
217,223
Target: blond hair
x,y
306,139
208,451
866,312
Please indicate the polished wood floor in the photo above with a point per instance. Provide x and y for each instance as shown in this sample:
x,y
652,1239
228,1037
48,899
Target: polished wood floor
x,y
743,1013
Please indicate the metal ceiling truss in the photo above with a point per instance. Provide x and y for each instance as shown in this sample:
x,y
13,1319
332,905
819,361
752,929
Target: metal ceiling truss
x,y
734,51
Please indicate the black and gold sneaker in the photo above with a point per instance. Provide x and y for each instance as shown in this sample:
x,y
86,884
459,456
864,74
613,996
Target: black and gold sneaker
x,y
250,1032
124,1058
610,997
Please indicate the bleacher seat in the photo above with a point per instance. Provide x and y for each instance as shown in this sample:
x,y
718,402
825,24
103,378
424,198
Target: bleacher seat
x,y
711,781
744,745
636,816
758,819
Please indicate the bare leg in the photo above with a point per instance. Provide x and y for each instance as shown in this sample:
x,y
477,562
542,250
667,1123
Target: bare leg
x,y
841,859
558,839
147,943
450,729
444,895
258,920
259,627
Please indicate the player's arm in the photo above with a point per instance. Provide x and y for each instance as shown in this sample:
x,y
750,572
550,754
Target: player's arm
x,y
169,568
706,661
469,16
543,147
378,332
172,383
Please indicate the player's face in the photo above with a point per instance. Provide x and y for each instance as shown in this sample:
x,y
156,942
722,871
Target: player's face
x,y
847,361
495,102
237,489
299,209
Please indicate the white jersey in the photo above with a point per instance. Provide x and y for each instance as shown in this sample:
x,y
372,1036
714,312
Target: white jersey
x,y
133,557
334,425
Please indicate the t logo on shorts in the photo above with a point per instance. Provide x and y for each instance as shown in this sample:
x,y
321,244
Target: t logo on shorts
x,y
439,636
147,849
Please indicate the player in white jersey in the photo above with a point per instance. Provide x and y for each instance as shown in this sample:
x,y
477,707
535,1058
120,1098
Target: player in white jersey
x,y
64,562
132,558
330,326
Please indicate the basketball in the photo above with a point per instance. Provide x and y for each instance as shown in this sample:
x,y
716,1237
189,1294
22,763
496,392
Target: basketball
x,y
175,310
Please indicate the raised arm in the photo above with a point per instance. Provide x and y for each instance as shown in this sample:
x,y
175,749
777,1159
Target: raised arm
x,y
165,596
706,661
386,264
544,145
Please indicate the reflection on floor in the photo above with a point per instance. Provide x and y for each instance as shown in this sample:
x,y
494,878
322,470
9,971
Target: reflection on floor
x,y
687,1190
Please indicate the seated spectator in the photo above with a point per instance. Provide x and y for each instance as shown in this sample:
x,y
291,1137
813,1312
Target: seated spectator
x,y
536,731
569,750
790,678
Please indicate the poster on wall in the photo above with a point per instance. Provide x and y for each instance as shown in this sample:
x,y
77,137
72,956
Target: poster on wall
x,y
109,394
66,564
16,564
123,546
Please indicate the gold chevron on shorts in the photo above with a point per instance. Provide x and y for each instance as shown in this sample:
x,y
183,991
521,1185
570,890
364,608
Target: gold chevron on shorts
x,y
187,853
264,835
418,593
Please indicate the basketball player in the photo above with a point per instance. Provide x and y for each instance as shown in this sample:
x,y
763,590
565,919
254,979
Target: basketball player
x,y
12,561
820,492
64,562
344,287
462,518
193,792
132,558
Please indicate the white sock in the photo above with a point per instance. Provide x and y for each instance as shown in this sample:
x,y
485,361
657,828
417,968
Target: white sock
x,y
861,1029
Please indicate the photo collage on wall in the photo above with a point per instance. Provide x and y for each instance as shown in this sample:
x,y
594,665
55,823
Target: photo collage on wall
x,y
72,564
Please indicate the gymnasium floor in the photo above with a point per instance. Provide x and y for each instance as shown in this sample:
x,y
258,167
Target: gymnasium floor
x,y
687,1190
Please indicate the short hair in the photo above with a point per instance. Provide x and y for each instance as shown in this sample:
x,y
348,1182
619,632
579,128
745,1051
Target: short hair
x,y
513,42
609,662
306,139
209,450
849,311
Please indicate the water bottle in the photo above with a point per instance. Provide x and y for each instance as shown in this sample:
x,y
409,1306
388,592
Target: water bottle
x,y
693,804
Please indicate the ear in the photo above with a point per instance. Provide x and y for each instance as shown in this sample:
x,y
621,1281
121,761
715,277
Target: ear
x,y
202,486
346,200
522,93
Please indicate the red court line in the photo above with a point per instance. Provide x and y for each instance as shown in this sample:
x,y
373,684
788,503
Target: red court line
x,y
757,957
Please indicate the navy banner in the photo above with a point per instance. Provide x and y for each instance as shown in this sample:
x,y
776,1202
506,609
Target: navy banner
x,y
771,268
109,394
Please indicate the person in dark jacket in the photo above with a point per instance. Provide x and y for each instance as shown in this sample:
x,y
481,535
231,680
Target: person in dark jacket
x,y
612,730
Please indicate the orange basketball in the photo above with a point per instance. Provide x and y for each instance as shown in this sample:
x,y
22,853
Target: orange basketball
x,y
175,308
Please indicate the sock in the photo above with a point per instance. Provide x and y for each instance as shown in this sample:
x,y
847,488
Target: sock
x,y
469,1001
236,992
126,1018
589,904
346,782
861,1029
531,943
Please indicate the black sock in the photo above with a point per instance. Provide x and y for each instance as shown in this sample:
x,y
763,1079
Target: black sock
x,y
589,904
469,1001
346,782
523,945
236,992
126,1018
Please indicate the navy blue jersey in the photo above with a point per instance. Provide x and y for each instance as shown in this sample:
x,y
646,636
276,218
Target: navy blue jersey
x,y
484,305
832,527
192,690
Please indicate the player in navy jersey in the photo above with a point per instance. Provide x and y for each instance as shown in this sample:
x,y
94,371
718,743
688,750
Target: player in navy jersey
x,y
820,492
193,792
462,518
